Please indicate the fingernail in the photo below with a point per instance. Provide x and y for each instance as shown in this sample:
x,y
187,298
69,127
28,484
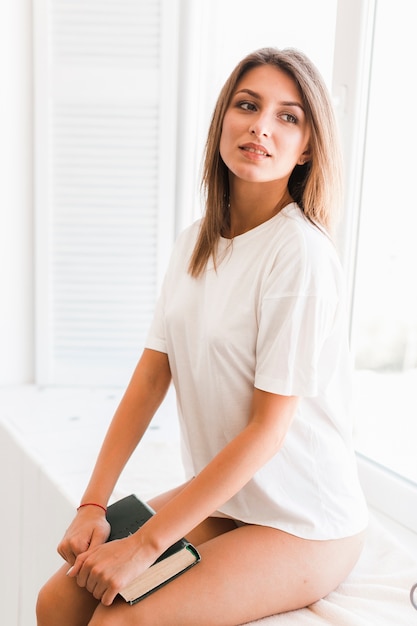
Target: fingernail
x,y
70,570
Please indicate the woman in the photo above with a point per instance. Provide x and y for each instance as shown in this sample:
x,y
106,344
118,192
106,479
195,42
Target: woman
x,y
251,328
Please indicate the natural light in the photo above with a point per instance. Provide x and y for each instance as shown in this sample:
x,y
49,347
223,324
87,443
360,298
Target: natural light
x,y
385,298
105,111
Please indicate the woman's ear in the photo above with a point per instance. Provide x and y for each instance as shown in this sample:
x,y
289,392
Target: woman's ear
x,y
304,157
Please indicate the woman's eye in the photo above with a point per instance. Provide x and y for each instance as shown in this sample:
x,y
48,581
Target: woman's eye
x,y
288,117
247,106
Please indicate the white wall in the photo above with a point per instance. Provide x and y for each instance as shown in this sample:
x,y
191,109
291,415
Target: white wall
x,y
37,514
16,244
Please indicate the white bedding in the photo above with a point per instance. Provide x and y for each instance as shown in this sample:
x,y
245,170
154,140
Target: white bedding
x,y
377,592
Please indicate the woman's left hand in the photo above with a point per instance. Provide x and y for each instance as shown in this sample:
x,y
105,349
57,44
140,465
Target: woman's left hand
x,y
107,569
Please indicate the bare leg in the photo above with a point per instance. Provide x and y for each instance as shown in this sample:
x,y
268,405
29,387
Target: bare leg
x,y
245,574
62,603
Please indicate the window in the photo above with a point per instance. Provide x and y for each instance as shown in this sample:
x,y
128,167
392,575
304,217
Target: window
x,y
384,323
374,48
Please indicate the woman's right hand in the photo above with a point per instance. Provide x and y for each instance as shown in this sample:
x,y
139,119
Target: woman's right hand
x,y
88,529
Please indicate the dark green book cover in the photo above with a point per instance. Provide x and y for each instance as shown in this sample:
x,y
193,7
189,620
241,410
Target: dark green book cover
x,y
125,517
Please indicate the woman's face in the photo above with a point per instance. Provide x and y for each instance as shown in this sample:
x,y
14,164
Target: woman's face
x,y
265,131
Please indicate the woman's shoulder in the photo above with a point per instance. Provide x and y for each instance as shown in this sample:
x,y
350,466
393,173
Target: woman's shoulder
x,y
182,248
302,234
306,252
295,220
189,233
187,238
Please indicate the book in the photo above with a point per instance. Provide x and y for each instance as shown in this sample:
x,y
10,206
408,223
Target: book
x,y
125,517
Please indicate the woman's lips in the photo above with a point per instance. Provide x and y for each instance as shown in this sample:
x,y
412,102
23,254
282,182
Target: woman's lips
x,y
255,149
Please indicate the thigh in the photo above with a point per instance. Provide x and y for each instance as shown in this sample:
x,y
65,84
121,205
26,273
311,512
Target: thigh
x,y
244,575
61,601
61,596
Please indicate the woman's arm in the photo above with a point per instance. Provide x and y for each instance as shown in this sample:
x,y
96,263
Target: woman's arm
x,y
106,570
227,473
144,394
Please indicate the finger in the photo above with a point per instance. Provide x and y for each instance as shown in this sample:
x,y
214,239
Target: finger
x,y
69,557
71,550
75,569
71,572
108,596
97,539
99,591
92,585
63,553
101,587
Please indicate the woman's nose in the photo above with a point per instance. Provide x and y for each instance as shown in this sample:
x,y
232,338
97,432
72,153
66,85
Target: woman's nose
x,y
260,127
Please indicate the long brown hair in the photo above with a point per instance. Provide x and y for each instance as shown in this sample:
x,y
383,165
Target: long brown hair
x,y
315,186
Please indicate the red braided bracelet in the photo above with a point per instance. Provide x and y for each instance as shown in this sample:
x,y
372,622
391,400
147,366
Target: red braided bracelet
x,y
92,504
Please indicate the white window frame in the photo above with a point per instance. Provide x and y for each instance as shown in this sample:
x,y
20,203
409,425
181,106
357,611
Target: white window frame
x,y
351,72
388,493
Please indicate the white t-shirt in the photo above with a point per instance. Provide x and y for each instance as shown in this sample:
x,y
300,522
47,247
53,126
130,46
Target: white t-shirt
x,y
272,316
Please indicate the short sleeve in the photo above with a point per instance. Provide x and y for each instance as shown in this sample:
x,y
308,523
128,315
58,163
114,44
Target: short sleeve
x,y
297,317
156,339
292,333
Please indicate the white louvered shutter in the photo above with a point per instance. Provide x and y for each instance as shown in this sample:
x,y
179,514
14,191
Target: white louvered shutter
x,y
105,171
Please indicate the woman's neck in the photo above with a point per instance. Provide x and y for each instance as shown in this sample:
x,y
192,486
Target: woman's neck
x,y
252,205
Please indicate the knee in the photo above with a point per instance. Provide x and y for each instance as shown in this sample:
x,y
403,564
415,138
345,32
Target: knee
x,y
44,606
51,605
